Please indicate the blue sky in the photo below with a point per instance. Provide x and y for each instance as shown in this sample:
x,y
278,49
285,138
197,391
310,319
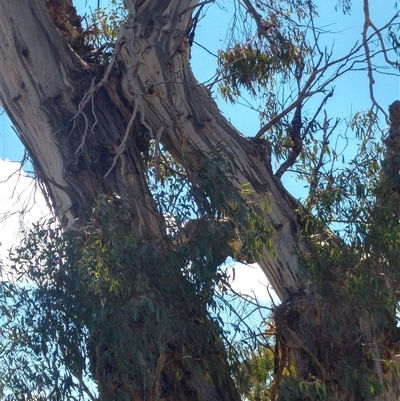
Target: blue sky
x,y
351,91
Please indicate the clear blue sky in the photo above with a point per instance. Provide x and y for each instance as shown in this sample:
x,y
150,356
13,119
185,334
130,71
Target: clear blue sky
x,y
351,91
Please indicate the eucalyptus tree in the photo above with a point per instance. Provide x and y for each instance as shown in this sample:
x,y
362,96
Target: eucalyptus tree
x,y
118,129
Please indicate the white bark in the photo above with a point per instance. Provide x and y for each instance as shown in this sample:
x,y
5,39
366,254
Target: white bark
x,y
37,66
41,90
44,82
157,62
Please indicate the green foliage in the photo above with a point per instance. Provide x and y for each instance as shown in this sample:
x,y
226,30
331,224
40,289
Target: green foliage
x,y
253,67
359,265
101,304
96,304
103,23
42,332
210,197
261,62
364,209
256,376
311,389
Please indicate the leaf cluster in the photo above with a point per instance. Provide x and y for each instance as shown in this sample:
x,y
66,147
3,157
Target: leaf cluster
x,y
96,304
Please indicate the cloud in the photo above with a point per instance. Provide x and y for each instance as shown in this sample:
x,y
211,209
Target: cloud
x,y
247,313
250,279
21,205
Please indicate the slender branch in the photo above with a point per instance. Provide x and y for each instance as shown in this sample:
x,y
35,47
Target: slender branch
x,y
203,3
295,135
281,364
318,72
122,146
83,386
327,96
261,28
302,95
320,163
371,80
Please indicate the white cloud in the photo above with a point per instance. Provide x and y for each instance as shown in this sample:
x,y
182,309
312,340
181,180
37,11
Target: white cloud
x,y
21,205
250,279
247,313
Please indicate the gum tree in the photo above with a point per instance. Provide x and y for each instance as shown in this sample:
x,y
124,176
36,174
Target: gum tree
x,y
109,119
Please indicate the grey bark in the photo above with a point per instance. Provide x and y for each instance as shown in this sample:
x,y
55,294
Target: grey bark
x,y
82,149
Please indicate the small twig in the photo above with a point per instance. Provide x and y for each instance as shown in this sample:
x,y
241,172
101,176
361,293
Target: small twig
x,y
80,147
208,51
95,88
122,146
270,296
315,361
302,95
341,63
328,95
85,132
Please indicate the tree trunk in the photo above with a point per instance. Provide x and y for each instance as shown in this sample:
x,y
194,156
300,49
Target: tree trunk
x,y
75,119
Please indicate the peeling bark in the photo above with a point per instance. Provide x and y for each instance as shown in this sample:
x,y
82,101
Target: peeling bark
x,y
83,146
192,126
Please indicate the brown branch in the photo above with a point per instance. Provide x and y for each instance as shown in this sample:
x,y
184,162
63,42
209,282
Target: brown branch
x,y
319,71
369,24
371,80
297,147
302,95
262,28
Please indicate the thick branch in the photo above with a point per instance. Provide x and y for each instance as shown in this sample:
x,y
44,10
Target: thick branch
x,y
194,127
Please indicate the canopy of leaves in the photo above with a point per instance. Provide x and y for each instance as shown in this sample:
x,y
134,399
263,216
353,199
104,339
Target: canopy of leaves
x,y
95,302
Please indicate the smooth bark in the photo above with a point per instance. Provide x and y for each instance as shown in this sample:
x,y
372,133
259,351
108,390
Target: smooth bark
x,y
74,119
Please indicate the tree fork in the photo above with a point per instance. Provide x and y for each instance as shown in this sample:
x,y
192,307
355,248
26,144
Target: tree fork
x,y
73,149
42,92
